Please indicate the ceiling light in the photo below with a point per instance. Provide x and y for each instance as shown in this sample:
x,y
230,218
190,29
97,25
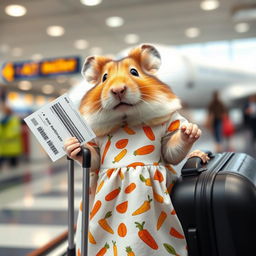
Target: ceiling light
x,y
17,52
90,2
48,89
131,38
55,31
4,48
81,44
244,12
25,85
36,56
192,32
209,5
15,10
95,51
114,21
242,27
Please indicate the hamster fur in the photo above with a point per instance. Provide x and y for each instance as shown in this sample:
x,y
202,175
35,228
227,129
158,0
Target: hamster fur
x,y
128,92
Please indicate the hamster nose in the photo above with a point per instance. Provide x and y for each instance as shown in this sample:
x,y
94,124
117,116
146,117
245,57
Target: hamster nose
x,y
119,92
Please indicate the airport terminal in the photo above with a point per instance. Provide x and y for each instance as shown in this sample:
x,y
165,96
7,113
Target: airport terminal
x,y
144,83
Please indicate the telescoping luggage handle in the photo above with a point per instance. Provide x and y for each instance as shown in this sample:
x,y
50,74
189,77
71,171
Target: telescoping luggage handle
x,y
86,164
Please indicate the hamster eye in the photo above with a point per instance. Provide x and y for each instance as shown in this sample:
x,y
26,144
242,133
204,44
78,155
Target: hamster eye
x,y
104,78
134,72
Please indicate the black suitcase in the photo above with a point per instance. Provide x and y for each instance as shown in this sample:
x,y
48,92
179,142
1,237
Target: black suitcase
x,y
216,205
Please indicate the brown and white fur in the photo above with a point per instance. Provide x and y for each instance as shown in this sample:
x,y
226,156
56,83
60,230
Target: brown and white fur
x,y
128,92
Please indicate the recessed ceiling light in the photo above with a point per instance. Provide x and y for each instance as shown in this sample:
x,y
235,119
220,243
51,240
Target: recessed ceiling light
x,y
114,21
90,2
192,32
81,44
208,5
131,38
25,85
242,27
4,48
95,51
37,56
55,31
17,52
15,10
48,89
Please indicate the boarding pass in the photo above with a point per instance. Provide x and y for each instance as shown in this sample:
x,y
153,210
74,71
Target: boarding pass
x,y
57,121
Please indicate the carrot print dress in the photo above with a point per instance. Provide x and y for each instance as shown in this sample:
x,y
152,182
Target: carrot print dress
x,y
131,212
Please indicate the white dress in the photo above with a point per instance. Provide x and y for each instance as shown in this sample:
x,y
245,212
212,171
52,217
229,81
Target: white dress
x,y
131,211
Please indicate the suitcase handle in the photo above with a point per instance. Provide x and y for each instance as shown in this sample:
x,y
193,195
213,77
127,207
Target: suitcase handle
x,y
194,165
85,200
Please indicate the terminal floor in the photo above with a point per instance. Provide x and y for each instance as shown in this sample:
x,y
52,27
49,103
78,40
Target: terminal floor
x,y
33,199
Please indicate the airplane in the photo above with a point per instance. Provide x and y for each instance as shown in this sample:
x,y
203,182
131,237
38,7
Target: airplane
x,y
193,80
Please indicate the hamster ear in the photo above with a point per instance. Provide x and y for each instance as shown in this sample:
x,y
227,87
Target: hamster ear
x,y
148,57
92,68
89,71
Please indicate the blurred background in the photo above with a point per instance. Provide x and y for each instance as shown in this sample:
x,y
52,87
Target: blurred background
x,y
208,51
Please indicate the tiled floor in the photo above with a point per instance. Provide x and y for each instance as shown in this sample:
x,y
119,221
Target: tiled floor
x,y
33,200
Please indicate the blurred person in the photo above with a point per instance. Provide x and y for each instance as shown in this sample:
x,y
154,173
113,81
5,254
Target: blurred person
x,y
250,112
228,130
10,137
216,112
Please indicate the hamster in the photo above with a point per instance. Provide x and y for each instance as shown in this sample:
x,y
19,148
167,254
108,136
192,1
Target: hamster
x,y
139,133
128,92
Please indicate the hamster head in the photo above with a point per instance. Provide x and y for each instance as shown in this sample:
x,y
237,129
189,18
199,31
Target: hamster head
x,y
126,91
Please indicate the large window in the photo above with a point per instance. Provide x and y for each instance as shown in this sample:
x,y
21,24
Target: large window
x,y
241,52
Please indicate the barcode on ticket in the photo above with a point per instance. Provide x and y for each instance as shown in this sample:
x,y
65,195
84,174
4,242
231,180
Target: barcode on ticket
x,y
43,133
67,122
52,147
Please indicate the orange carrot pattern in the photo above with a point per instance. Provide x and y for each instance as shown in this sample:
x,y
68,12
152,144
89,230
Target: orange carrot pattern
x,y
130,188
169,190
95,209
114,248
143,208
103,250
119,156
106,148
120,174
104,224
109,172
122,208
170,168
113,194
173,212
129,251
145,236
128,130
158,197
174,126
91,238
121,143
122,230
78,252
149,132
135,164
175,233
158,176
147,181
162,217
99,187
144,150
